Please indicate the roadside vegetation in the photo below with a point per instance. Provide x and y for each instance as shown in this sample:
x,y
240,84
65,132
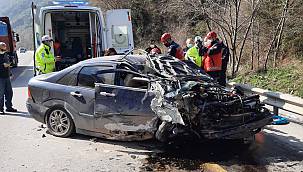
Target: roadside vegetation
x,y
286,79
265,37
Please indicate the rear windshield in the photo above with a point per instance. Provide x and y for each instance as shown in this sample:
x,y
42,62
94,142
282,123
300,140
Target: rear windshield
x,y
3,29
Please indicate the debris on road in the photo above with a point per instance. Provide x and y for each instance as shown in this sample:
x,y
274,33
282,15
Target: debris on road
x,y
93,140
279,120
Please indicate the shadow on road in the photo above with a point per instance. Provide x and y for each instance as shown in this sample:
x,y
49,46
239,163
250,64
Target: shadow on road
x,y
19,114
227,153
144,146
266,151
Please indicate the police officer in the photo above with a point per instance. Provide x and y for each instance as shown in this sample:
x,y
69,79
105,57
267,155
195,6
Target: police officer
x,y
45,60
174,49
5,82
194,53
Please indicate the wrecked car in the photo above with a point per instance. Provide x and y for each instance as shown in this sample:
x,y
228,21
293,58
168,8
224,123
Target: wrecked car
x,y
139,97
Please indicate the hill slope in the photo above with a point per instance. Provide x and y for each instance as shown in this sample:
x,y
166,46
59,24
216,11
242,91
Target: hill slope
x,y
19,12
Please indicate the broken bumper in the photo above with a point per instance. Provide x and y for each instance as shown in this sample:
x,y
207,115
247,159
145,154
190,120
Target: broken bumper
x,y
239,132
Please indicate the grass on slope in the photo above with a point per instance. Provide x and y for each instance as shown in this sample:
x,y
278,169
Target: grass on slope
x,y
285,79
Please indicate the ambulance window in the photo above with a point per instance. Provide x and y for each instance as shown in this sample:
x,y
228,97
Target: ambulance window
x,y
120,36
3,29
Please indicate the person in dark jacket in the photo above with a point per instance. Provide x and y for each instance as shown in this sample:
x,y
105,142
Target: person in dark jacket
x,y
174,49
152,46
5,82
225,60
110,52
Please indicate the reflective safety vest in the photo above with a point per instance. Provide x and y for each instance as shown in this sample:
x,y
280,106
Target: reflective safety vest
x,y
213,62
44,59
193,53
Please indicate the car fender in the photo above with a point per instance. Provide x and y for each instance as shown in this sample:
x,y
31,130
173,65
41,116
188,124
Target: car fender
x,y
53,103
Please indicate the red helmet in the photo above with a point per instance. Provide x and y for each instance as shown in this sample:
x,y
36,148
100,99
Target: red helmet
x,y
165,37
211,35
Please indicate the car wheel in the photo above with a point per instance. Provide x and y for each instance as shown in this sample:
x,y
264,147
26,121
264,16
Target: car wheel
x,y
164,131
60,123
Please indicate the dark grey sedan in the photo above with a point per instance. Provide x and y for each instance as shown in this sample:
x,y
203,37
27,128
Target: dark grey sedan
x,y
138,97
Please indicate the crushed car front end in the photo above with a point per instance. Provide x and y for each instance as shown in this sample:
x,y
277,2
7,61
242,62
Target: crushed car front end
x,y
191,105
206,111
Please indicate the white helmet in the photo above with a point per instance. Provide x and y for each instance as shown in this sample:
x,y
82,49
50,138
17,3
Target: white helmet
x,y
2,44
46,38
198,39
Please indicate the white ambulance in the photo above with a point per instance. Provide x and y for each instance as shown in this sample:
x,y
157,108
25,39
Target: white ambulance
x,y
81,32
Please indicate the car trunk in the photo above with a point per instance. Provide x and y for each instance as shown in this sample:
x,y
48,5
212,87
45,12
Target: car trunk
x,y
72,39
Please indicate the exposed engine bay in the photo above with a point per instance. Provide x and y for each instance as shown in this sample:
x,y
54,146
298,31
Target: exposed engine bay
x,y
191,105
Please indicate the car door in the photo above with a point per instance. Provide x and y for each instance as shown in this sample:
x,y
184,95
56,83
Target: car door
x,y
119,30
82,96
123,109
79,99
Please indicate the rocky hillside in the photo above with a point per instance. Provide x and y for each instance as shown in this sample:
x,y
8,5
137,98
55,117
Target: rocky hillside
x,y
19,12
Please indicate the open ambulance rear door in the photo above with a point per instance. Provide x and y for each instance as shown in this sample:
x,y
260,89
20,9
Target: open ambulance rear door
x,y
119,30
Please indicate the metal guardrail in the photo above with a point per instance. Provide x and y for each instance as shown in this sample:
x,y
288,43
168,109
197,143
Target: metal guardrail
x,y
277,100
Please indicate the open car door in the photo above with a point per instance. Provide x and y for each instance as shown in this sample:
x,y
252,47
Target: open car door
x,y
119,30
36,32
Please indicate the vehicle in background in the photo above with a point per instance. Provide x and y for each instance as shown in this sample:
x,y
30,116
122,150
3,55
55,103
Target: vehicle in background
x,y
8,36
81,32
22,50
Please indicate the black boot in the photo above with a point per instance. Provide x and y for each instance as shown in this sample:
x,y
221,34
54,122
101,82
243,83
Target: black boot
x,y
11,110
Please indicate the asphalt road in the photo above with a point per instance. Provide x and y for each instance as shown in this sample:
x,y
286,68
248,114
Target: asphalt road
x,y
25,145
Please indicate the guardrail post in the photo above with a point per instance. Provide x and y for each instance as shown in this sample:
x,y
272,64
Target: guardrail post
x,y
276,110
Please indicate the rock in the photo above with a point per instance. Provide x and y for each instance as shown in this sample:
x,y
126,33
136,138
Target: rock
x,y
39,129
96,149
93,140
133,156
43,135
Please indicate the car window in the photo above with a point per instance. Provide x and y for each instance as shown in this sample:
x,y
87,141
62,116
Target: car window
x,y
69,79
128,79
90,75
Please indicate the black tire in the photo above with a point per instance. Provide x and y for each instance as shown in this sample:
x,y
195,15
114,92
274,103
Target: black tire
x,y
60,123
248,140
164,131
